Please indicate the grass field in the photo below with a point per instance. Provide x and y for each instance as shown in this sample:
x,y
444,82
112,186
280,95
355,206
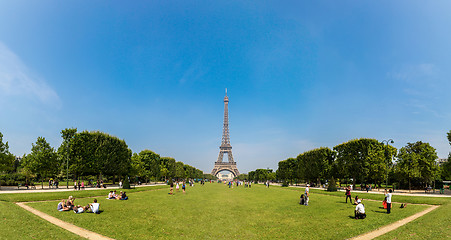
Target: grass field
x,y
214,211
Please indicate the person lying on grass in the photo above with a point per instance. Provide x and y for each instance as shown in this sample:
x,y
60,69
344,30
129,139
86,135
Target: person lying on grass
x,y
62,206
359,210
95,207
80,209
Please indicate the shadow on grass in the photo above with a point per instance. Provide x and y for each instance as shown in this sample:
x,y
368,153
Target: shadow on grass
x,y
380,211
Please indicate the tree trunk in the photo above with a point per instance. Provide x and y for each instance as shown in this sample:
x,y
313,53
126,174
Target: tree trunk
x,y
409,185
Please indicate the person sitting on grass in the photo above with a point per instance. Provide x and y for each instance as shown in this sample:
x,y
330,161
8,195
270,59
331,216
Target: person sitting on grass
x,y
62,206
302,201
95,207
70,202
115,195
123,196
359,210
111,195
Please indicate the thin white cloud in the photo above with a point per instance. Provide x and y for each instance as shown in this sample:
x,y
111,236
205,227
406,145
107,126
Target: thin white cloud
x,y
17,80
417,74
193,73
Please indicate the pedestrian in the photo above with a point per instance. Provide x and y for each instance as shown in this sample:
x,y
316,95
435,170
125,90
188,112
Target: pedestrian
x,y
79,185
348,194
75,186
183,186
388,196
306,195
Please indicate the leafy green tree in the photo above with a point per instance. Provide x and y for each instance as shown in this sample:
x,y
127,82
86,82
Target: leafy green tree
x,y
211,177
42,160
287,170
317,164
168,167
358,158
417,160
137,167
97,153
64,156
446,167
180,170
6,158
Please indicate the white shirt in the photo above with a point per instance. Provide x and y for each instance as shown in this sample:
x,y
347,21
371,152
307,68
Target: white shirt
x,y
95,207
360,208
306,190
388,195
80,210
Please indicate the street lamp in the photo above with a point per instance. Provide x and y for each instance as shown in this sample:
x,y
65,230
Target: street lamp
x,y
386,169
67,171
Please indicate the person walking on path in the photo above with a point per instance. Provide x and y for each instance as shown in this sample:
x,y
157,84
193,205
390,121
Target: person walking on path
x,y
348,194
388,196
306,195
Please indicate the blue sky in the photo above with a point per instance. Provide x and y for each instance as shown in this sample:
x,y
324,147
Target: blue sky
x,y
299,74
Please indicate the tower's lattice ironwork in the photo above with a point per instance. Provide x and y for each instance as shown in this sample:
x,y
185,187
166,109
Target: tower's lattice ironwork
x,y
225,146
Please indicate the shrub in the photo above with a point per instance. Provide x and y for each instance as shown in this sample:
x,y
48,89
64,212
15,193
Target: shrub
x,y
285,183
332,187
126,184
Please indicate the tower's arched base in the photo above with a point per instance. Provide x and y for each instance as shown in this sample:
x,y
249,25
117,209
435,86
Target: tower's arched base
x,y
229,166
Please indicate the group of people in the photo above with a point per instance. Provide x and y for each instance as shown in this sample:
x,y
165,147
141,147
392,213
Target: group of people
x,y
68,205
305,196
359,212
53,183
79,185
121,196
177,187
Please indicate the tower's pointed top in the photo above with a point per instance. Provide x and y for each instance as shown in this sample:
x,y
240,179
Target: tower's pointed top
x,y
226,91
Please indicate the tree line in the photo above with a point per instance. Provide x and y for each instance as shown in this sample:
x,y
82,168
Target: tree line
x,y
362,161
89,155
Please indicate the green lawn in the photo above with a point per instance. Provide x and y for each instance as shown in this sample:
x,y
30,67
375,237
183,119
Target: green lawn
x,y
214,211
16,223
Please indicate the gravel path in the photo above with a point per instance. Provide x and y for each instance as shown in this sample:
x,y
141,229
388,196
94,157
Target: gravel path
x,y
69,227
385,229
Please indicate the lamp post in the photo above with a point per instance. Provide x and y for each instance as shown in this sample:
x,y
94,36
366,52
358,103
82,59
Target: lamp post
x,y
67,172
386,169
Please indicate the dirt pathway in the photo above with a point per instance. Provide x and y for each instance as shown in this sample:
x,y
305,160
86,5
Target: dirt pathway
x,y
69,227
393,226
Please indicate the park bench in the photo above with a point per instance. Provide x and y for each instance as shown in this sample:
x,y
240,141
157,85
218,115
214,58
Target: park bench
x,y
26,187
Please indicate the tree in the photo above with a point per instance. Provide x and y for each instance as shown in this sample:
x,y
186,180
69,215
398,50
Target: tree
x,y
42,160
167,167
287,170
358,158
180,170
417,160
6,158
317,164
98,153
64,156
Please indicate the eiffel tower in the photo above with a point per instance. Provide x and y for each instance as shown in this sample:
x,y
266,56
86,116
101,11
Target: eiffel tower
x,y
225,146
